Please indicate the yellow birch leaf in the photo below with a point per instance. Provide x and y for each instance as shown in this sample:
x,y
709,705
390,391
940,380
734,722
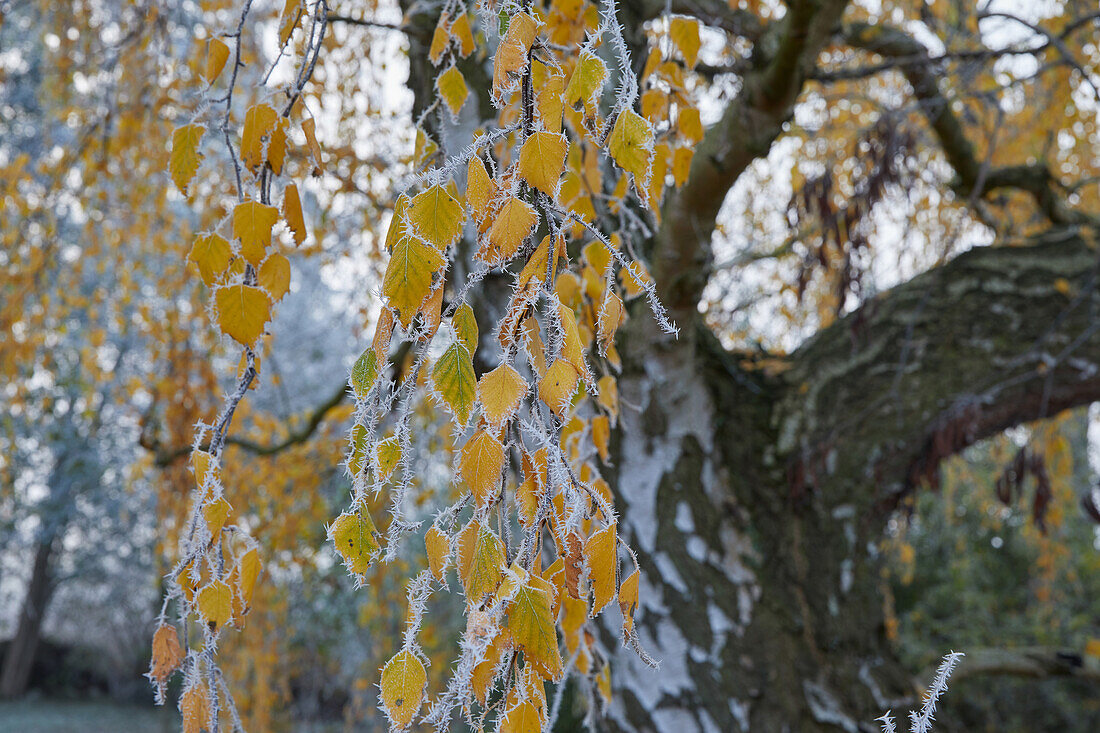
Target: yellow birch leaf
x,y
292,213
601,435
681,165
388,453
249,571
454,379
511,56
572,349
523,718
309,127
478,187
441,38
292,16
461,31
451,85
611,316
500,392
408,279
399,227
557,386
465,326
603,683
195,707
167,654
587,80
600,552
252,225
532,629
242,312
259,123
608,394
483,672
542,159
217,53
355,538
185,158
481,464
438,548
215,513
211,255
364,372
480,561
631,145
550,104
512,224
437,216
685,34
690,125
215,604
274,276
628,600
276,145
402,688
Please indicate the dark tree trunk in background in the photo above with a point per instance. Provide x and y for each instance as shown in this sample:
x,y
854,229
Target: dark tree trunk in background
x,y
16,670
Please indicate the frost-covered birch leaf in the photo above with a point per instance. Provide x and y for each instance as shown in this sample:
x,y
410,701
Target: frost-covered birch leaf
x,y
215,514
242,312
587,80
252,225
437,216
217,53
465,326
438,548
215,604
388,453
481,464
364,373
480,561
452,88
292,213
531,626
211,254
185,158
512,224
402,688
500,392
454,379
479,187
248,572
195,707
274,276
408,279
557,386
522,718
602,558
511,56
167,654
628,600
631,145
355,538
542,159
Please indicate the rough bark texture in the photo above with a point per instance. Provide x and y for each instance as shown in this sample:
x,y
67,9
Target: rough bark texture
x,y
752,500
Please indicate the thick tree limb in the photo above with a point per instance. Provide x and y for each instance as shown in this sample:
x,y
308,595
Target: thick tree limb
x,y
1035,661
746,131
997,337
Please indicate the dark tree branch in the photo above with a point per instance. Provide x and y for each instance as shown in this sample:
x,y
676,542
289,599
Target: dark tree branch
x,y
1036,661
365,23
971,180
167,456
746,131
997,337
